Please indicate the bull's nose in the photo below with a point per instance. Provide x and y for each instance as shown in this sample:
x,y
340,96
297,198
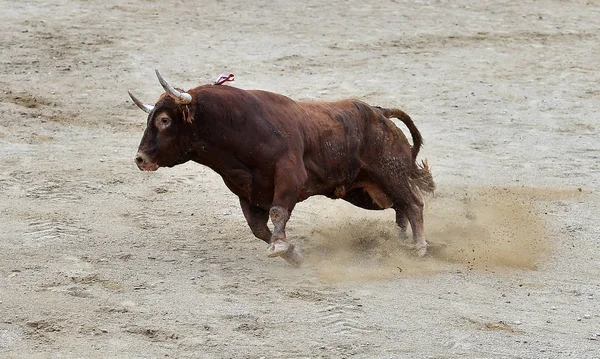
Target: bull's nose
x,y
139,161
144,163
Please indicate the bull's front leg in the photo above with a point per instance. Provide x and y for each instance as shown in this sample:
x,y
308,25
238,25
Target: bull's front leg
x,y
257,220
279,246
287,187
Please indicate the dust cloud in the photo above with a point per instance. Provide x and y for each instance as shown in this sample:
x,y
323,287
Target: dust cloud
x,y
467,229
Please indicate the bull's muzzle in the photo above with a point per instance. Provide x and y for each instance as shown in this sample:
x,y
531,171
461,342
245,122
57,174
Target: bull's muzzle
x,y
141,160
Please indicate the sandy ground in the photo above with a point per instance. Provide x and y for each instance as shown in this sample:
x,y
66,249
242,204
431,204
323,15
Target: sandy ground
x,y
100,260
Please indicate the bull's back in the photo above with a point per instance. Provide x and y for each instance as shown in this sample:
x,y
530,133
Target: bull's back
x,y
336,133
342,122
333,136
334,139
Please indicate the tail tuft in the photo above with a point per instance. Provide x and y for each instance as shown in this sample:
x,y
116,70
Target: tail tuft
x,y
422,177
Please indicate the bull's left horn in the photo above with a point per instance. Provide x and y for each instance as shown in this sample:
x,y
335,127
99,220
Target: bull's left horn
x,y
182,97
140,104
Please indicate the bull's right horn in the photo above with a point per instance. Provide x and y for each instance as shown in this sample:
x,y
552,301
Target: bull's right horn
x,y
140,104
183,97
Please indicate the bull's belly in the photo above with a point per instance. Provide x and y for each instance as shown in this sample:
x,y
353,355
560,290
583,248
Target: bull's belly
x,y
345,189
322,185
260,192
379,198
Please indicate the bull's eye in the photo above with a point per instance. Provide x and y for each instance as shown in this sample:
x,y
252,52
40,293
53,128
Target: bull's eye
x,y
163,122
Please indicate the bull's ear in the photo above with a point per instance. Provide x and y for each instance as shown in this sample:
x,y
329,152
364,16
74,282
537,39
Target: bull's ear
x,y
188,114
140,104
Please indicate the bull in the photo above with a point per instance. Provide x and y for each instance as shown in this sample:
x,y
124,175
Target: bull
x,y
273,152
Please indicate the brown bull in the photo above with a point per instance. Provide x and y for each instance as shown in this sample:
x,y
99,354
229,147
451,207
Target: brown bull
x,y
273,152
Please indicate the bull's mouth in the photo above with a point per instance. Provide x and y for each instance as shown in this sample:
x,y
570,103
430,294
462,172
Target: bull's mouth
x,y
148,167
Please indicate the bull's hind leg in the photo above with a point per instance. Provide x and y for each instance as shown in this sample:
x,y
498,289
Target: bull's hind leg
x,y
415,217
407,204
401,221
257,221
373,198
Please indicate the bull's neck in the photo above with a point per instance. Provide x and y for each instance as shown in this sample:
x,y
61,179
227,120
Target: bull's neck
x,y
221,117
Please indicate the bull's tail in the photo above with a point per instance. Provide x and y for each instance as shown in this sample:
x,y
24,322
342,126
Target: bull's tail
x,y
421,176
414,132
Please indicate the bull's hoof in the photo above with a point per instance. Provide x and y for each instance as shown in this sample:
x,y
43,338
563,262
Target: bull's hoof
x,y
293,256
403,235
277,248
421,249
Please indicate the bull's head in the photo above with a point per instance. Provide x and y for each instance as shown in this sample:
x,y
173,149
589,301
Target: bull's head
x,y
168,135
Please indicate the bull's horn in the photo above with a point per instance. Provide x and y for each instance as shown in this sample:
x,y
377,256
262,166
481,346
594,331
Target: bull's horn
x,y
140,104
182,97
